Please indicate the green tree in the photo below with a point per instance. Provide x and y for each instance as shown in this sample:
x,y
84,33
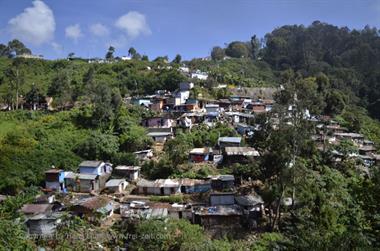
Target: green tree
x,y
110,52
255,46
71,55
335,103
217,53
132,52
61,90
98,146
177,59
15,47
34,97
135,139
15,75
237,49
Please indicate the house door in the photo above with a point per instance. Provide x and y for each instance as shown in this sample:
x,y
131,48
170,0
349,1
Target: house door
x,y
183,189
162,191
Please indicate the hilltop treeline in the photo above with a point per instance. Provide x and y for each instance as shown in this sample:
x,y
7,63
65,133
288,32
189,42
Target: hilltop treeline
x,y
348,60
344,62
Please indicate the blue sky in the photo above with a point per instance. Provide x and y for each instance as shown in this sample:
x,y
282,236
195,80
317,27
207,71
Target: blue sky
x,y
191,28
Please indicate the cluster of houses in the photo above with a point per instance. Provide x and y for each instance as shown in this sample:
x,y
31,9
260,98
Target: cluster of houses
x,y
98,192
330,133
180,110
229,150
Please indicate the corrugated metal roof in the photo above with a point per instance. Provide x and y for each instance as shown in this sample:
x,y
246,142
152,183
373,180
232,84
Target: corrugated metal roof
x,y
249,200
85,176
159,134
349,135
158,183
243,151
94,203
202,150
157,213
192,182
145,183
71,175
230,139
128,168
36,208
90,163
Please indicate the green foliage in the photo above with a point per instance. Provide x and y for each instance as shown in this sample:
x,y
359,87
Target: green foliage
x,y
14,48
270,241
179,235
356,119
12,231
237,50
162,169
77,234
110,52
134,138
347,57
98,146
217,53
13,236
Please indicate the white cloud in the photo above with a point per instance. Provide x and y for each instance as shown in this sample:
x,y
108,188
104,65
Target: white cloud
x,y
73,32
134,24
99,30
120,42
57,47
35,24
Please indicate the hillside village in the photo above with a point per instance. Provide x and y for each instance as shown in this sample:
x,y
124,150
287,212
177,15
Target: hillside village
x,y
263,145
104,194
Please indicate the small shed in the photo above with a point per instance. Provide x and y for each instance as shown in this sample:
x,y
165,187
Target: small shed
x,y
129,172
168,186
144,154
195,186
116,185
84,183
43,224
147,187
217,216
54,180
239,154
160,122
95,167
229,141
160,137
198,155
158,187
93,208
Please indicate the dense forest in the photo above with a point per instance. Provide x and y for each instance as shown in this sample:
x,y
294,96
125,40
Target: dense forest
x,y
330,70
346,61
